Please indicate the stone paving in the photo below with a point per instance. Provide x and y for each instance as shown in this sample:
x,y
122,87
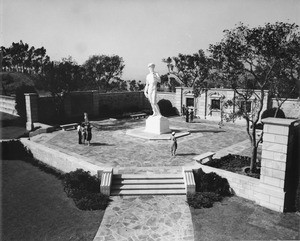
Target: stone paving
x,y
148,218
111,146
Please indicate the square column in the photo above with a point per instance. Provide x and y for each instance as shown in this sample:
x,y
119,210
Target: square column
x,y
275,160
31,100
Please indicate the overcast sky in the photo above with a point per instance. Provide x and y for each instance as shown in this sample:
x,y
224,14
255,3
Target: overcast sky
x,y
139,31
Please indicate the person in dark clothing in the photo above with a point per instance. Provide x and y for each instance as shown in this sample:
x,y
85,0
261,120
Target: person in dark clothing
x,y
174,144
186,115
183,110
89,134
84,132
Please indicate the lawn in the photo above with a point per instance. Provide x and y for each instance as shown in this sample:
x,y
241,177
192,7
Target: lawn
x,y
236,218
35,207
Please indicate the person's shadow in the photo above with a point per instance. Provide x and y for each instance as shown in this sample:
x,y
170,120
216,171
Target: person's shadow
x,y
100,144
186,154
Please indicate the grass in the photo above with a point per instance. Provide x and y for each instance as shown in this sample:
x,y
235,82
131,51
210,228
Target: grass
x,y
236,218
35,207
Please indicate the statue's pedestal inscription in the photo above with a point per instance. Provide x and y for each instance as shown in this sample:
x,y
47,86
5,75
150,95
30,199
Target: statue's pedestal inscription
x,y
157,125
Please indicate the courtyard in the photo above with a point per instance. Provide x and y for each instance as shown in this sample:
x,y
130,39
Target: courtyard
x,y
111,146
169,217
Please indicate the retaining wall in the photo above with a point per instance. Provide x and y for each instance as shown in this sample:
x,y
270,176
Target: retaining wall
x,y
8,104
59,160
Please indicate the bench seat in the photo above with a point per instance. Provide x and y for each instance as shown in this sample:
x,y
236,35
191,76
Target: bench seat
x,y
207,155
69,126
138,116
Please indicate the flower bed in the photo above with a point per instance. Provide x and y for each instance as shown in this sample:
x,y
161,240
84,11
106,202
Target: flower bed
x,y
235,163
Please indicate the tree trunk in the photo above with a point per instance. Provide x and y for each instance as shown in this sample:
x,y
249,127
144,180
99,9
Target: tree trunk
x,y
253,158
254,150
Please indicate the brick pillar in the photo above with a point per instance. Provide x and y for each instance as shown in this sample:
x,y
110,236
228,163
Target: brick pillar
x,y
178,99
31,100
271,192
95,94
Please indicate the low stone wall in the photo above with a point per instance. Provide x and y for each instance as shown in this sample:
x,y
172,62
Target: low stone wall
x,y
243,186
291,107
8,104
61,161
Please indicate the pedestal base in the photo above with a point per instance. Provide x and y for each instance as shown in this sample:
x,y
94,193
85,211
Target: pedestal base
x,y
29,126
157,125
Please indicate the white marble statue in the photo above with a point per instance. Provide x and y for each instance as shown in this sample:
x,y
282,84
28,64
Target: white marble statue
x,y
151,89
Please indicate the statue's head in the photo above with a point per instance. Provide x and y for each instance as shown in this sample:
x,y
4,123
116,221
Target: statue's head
x,y
151,66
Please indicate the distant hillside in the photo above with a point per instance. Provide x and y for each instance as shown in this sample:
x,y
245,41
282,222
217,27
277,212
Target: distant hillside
x,y
10,81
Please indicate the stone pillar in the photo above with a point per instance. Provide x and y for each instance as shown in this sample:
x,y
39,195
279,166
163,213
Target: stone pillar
x,y
178,99
31,100
95,102
271,192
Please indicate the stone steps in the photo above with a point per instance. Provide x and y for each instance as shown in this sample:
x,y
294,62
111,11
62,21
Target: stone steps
x,y
148,184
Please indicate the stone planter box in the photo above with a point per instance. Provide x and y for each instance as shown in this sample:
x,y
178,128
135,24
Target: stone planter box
x,y
251,188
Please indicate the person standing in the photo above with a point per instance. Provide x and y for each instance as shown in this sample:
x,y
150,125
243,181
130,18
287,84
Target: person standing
x,y
84,132
79,130
183,110
89,134
174,144
187,115
192,115
85,118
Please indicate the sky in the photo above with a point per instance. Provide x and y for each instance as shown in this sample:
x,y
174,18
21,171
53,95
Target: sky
x,y
139,31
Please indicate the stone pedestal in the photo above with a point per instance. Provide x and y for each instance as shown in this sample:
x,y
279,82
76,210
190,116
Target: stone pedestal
x,y
157,125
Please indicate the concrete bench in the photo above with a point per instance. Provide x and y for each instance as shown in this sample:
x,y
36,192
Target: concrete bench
x,y
69,126
138,116
207,155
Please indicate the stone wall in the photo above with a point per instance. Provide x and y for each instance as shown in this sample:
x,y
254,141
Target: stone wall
x,y
93,103
58,160
8,104
277,187
291,107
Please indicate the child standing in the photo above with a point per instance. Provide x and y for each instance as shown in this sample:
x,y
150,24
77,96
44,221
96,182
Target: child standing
x,y
174,144
79,130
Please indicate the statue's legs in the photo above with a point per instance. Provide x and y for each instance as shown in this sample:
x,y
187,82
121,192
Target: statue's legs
x,y
155,107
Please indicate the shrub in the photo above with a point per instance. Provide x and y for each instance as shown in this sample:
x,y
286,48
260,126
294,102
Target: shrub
x,y
211,182
84,189
80,180
202,199
271,113
166,108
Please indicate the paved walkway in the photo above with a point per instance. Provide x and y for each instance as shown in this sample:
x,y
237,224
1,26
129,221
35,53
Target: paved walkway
x,y
148,218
